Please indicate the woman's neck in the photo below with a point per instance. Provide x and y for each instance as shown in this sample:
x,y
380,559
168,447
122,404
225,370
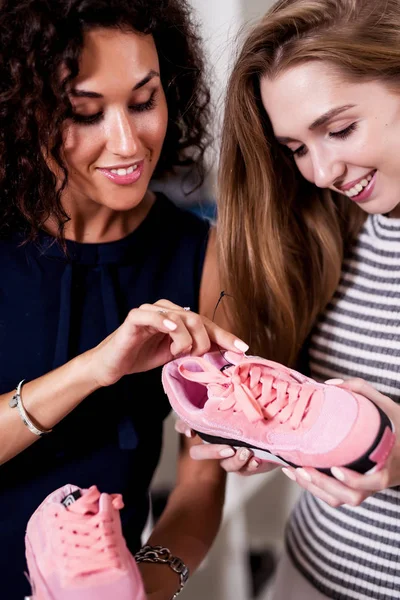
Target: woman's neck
x,y
100,224
395,213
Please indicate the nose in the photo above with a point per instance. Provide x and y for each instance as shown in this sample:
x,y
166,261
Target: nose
x,y
122,136
327,168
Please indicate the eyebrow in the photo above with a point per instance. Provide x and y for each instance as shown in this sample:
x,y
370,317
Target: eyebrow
x,y
322,120
86,94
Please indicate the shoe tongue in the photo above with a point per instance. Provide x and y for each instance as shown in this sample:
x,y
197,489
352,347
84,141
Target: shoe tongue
x,y
71,498
82,504
234,358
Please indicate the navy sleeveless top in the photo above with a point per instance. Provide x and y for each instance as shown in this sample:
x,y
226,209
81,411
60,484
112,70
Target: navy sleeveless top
x,y
54,306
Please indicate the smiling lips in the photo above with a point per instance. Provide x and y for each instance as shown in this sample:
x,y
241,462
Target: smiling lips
x,y
360,190
124,175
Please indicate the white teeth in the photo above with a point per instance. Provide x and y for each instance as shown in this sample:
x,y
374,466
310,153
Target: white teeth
x,y
356,189
122,172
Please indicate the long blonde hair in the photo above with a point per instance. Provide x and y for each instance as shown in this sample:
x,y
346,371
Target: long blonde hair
x,y
281,239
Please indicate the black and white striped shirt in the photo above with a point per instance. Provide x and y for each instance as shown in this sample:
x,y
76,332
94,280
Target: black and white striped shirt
x,y
354,553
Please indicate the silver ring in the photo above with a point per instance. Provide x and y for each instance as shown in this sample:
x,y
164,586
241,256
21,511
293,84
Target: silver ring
x,y
187,308
162,312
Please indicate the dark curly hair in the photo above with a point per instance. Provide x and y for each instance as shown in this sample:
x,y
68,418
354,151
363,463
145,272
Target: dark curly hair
x,y
37,38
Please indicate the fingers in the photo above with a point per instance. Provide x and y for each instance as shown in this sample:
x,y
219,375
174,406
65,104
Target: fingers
x,y
247,464
182,428
309,486
326,488
232,461
360,386
211,451
223,338
202,330
363,483
139,319
240,461
191,334
166,322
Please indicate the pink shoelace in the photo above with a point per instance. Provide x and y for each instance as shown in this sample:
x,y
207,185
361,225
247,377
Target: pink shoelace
x,y
254,390
85,536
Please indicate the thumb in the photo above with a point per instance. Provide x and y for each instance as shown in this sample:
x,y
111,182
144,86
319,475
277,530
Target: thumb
x,y
362,387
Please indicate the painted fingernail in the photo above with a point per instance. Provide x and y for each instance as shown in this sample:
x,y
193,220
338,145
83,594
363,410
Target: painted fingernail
x,y
188,433
227,452
254,464
170,324
338,473
240,345
304,474
244,454
289,474
334,381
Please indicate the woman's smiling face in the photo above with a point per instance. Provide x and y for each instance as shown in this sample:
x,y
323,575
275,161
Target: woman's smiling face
x,y
113,143
343,135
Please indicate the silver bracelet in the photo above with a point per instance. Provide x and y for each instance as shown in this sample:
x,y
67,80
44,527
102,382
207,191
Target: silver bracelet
x,y
16,402
161,555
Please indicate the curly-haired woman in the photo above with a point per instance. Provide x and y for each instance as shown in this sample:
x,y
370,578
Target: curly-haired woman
x,y
95,97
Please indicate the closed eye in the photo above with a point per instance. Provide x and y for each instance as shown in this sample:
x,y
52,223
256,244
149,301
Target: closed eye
x,y
299,152
96,118
87,119
145,105
343,134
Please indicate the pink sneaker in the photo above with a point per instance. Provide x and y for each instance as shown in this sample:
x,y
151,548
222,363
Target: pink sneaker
x,y
283,416
76,551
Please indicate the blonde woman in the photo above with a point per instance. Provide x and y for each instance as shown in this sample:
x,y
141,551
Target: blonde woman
x,y
309,230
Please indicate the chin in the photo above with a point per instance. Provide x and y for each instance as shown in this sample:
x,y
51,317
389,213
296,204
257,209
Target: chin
x,y
123,206
379,208
129,199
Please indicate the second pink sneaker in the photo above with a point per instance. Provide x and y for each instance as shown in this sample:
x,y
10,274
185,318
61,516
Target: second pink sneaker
x,y
76,551
280,414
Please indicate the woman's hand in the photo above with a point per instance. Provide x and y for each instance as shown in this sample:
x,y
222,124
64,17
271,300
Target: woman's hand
x,y
240,461
151,336
347,486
